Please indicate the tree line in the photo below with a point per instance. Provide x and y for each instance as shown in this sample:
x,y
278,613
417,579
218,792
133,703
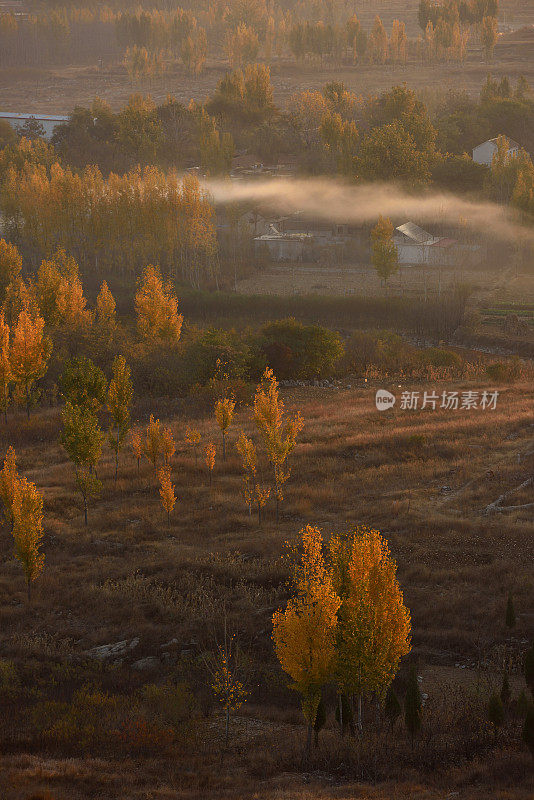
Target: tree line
x,y
238,30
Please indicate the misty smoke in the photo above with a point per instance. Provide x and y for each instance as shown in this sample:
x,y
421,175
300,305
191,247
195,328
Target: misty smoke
x,y
335,201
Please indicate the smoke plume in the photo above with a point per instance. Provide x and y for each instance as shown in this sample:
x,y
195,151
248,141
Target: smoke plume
x,y
335,201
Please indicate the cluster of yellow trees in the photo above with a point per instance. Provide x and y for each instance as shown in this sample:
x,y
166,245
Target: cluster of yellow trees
x,y
23,511
119,223
278,434
346,624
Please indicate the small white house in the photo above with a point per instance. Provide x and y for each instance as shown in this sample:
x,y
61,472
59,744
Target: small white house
x,y
416,246
483,153
48,122
283,246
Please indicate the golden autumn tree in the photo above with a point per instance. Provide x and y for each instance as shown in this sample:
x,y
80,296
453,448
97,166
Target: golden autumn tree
x,y
60,292
8,480
166,491
304,634
30,351
224,414
10,266
168,445
157,308
279,434
253,491
120,394
211,452
28,529
105,312
193,437
153,444
374,624
6,376
377,46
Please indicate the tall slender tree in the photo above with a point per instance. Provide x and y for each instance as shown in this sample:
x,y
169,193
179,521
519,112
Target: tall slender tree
x,y
28,529
30,351
120,394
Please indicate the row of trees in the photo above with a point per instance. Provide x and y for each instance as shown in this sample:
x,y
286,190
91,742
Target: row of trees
x,y
119,222
240,30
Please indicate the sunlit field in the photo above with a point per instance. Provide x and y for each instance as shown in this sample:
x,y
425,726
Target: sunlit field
x,y
426,479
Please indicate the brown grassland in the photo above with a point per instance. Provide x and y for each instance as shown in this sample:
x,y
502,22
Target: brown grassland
x,y
423,478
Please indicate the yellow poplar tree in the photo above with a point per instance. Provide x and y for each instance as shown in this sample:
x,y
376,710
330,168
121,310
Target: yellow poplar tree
x,y
252,489
166,491
193,438
279,434
157,307
10,266
5,365
211,451
374,624
28,529
305,633
224,414
8,480
30,351
106,318
153,444
168,444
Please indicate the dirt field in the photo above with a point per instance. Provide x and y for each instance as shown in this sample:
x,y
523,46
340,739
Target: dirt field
x,y
59,90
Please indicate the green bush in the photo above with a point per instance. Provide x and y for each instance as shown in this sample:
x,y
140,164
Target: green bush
x,y
438,357
297,351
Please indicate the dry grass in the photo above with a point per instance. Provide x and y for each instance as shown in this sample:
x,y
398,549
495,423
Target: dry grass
x,y
129,575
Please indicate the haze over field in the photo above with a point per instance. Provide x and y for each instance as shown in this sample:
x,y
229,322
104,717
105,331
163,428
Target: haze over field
x,y
339,201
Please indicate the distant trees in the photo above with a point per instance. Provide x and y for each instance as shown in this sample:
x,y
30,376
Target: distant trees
x,y
164,220
489,35
194,50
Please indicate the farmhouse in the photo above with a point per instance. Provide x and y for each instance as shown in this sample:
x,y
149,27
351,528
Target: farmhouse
x,y
284,246
417,246
48,122
483,153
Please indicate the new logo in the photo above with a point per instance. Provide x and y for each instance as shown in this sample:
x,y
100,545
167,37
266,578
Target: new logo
x,y
384,400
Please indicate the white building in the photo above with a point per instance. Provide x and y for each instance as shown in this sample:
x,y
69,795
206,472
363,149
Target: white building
x,y
49,122
483,153
416,246
284,246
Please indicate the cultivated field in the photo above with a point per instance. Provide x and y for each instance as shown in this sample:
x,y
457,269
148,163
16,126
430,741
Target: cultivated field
x,y
423,477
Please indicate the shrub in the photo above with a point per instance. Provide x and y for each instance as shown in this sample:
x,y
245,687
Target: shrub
x,y
505,371
294,350
175,705
438,357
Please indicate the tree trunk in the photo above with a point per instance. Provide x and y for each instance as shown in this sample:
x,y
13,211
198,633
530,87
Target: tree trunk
x,y
227,727
308,742
29,590
360,714
224,445
85,509
340,706
28,400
